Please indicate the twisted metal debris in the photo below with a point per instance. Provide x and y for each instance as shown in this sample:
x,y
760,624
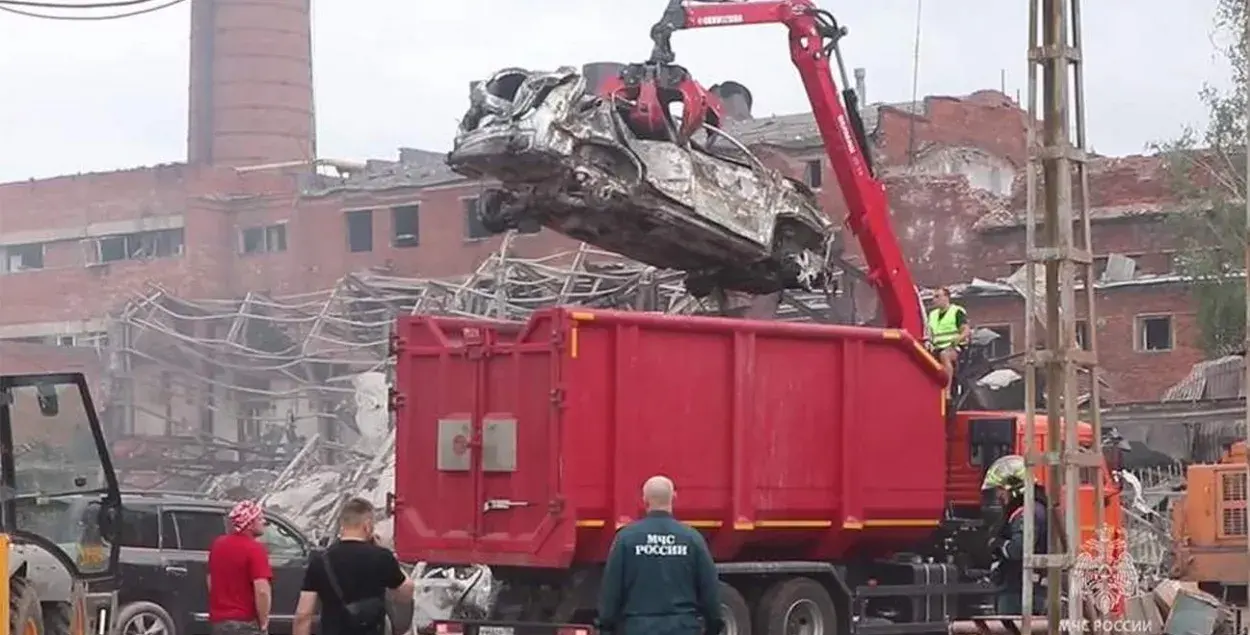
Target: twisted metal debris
x,y
258,350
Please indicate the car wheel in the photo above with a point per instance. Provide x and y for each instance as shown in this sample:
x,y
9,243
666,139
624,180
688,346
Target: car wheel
x,y
145,618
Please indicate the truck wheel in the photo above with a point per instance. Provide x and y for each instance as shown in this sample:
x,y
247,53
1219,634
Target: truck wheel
x,y
735,611
145,618
797,606
57,617
25,615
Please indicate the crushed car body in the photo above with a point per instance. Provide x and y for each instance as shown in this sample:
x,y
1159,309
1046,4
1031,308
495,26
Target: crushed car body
x,y
566,159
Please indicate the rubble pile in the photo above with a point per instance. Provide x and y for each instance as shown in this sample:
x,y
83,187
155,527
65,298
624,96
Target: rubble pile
x,y
310,490
1178,608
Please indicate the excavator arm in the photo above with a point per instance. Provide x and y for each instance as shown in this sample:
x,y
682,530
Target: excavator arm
x,y
814,36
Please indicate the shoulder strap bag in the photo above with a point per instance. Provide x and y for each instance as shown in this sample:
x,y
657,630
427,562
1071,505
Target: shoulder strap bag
x,y
368,613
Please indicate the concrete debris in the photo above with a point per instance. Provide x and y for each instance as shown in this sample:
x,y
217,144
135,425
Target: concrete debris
x,y
1144,613
1191,611
1119,269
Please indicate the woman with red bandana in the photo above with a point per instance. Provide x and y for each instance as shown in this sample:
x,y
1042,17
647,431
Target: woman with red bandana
x,y
239,591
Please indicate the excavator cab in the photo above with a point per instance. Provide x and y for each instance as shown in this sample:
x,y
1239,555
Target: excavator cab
x,y
59,508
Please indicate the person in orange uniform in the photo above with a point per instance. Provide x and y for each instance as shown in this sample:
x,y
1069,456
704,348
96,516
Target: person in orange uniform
x,y
240,594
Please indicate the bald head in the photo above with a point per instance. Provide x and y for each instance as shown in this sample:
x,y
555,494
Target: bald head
x,y
658,493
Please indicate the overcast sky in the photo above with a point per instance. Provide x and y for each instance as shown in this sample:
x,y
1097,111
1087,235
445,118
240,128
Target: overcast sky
x,y
94,96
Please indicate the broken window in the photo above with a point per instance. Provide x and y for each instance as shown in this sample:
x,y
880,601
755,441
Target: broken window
x,y
23,257
164,243
814,173
264,240
360,231
473,228
1001,346
261,240
1154,333
1082,334
406,226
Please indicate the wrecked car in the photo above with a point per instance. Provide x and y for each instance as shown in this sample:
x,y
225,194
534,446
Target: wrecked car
x,y
566,159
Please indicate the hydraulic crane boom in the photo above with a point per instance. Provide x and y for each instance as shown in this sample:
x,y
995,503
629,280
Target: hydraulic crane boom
x,y
814,36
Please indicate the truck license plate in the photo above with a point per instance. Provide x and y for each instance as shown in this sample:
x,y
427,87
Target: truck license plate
x,y
494,630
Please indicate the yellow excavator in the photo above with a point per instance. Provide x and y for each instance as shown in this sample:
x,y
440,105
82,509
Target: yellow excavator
x,y
60,509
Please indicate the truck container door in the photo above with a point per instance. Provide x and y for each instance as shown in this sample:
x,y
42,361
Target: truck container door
x,y
477,443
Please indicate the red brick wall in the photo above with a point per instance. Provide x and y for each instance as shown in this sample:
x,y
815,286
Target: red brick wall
x,y
1132,375
69,290
1148,239
318,254
933,217
986,119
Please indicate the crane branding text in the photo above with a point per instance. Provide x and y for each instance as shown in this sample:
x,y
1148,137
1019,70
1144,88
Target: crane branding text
x,y
714,20
662,545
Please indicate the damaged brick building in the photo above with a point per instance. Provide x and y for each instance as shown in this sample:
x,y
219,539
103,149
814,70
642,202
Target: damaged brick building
x,y
252,209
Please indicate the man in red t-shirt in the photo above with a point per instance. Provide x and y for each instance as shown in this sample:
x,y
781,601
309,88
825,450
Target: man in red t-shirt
x,y
239,591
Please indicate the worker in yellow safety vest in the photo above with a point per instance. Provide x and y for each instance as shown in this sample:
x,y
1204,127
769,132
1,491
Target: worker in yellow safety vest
x,y
948,331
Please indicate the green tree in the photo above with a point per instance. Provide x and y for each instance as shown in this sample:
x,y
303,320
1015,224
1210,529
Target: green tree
x,y
1208,168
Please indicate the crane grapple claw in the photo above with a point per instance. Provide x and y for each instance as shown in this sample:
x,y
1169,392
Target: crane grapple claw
x,y
648,91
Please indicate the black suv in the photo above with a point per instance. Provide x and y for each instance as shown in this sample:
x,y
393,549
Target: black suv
x,y
165,539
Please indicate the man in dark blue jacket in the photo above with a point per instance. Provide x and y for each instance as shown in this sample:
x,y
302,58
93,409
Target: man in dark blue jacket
x,y
659,578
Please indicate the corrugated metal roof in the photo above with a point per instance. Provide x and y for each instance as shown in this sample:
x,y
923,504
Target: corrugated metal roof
x,y
1222,378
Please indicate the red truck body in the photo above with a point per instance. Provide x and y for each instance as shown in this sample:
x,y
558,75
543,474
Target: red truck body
x,y
527,445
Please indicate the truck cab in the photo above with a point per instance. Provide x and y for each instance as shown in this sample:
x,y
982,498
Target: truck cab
x,y
977,439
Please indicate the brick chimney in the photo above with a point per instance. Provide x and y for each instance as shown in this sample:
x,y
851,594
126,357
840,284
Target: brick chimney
x,y
251,98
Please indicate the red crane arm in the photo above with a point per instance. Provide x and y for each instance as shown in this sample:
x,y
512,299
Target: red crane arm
x,y
814,36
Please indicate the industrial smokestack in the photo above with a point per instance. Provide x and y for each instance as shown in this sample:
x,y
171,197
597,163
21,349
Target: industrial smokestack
x,y
737,99
597,72
861,85
251,98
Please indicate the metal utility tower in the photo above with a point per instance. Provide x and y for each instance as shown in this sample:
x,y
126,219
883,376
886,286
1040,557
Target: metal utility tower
x,y
1058,243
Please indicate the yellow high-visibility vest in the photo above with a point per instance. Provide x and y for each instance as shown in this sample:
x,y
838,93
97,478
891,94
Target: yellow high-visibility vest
x,y
944,326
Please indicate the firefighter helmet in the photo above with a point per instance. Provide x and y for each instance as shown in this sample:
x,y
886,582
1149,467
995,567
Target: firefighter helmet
x,y
1006,473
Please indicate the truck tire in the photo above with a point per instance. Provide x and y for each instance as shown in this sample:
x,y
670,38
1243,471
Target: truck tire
x,y
57,617
735,611
25,614
796,606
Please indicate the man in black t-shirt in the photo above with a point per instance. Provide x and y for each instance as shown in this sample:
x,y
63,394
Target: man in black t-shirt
x,y
351,579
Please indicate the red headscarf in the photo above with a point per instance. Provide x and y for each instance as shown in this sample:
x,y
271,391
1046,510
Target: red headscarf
x,y
243,514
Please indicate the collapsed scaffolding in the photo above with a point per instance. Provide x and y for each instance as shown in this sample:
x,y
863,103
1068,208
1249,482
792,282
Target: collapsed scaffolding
x,y
237,397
